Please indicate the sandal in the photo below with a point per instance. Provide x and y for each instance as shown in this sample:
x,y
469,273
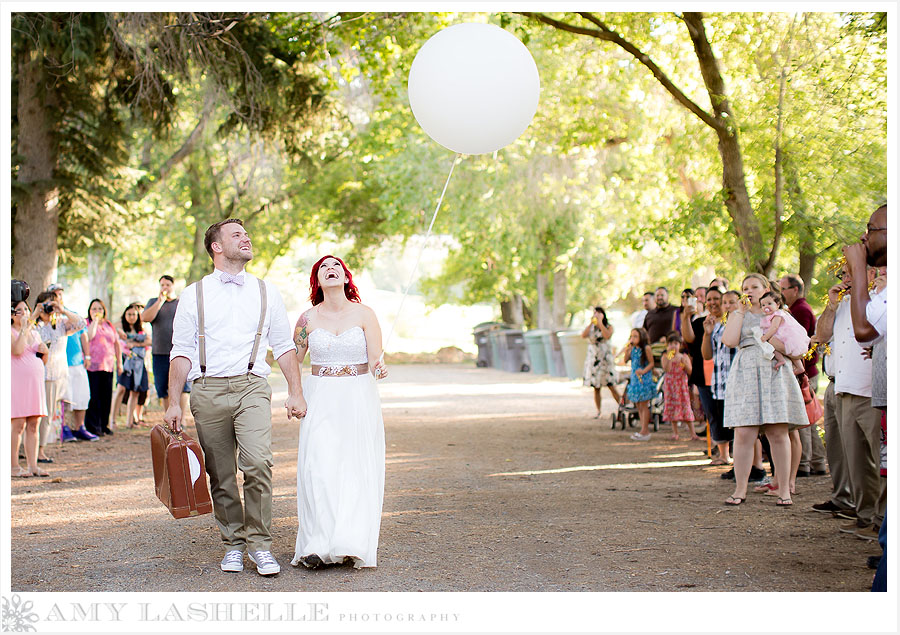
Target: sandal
x,y
21,472
734,500
765,488
39,472
718,462
783,502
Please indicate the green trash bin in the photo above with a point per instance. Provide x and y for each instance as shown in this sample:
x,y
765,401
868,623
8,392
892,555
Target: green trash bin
x,y
535,344
574,350
555,364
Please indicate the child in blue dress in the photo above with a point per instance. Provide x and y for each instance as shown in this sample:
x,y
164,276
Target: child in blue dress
x,y
641,387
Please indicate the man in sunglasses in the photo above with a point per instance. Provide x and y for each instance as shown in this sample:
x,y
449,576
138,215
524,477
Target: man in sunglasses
x,y
870,328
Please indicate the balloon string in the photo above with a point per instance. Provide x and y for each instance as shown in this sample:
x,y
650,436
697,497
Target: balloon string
x,y
412,274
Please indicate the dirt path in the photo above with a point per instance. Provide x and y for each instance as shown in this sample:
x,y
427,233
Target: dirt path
x,y
495,482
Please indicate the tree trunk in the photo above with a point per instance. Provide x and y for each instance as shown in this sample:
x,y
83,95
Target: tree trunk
x,y
736,198
808,257
101,274
807,247
37,216
200,262
559,298
512,311
544,314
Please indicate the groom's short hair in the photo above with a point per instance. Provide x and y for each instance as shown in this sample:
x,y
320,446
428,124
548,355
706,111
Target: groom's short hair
x,y
214,230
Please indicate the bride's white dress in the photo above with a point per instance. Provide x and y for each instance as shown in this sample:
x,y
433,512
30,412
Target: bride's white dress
x,y
340,461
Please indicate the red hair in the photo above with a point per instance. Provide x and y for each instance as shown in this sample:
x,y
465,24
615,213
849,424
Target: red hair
x,y
316,295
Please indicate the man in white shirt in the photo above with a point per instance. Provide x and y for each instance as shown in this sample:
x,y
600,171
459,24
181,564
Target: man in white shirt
x,y
870,328
637,318
231,398
859,422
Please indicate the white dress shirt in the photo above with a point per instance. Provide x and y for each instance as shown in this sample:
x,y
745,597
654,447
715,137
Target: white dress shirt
x,y
637,318
876,314
852,373
231,315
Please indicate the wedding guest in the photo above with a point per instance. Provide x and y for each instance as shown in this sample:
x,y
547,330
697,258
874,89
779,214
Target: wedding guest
x,y
648,304
599,364
870,327
160,313
78,390
106,357
54,324
758,396
812,458
133,379
28,401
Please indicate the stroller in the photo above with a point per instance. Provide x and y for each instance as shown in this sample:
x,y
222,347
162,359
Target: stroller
x,y
628,412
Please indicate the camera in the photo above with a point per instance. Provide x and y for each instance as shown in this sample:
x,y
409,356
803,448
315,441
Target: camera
x,y
48,307
19,291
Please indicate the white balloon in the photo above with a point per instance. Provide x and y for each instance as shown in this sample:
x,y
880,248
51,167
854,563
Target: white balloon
x,y
474,88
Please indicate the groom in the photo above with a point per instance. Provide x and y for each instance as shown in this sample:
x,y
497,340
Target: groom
x,y
223,326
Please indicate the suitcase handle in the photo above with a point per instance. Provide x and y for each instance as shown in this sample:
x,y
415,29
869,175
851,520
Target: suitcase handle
x,y
176,435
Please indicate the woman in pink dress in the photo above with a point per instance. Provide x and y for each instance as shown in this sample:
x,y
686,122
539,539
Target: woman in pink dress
x,y
106,357
28,402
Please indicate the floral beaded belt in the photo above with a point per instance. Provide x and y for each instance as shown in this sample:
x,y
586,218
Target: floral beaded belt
x,y
340,371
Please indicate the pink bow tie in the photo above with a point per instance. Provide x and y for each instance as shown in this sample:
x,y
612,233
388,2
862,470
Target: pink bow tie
x,y
227,277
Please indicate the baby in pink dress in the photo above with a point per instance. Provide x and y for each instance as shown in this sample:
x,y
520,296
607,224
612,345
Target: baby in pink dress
x,y
785,334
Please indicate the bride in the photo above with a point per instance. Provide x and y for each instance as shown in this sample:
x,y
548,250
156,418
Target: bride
x,y
340,461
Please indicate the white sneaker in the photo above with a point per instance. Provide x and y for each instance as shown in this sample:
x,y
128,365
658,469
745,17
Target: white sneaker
x,y
637,436
233,561
265,562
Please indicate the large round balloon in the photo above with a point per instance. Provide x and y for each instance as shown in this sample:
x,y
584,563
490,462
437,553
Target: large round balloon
x,y
474,88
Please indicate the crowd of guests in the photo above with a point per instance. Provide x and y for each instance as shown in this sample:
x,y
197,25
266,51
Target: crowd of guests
x,y
746,361
71,375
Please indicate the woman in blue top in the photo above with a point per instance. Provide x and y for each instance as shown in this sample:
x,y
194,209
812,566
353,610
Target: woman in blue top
x,y
641,387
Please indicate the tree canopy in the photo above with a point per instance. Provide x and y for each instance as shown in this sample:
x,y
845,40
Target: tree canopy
x,y
666,147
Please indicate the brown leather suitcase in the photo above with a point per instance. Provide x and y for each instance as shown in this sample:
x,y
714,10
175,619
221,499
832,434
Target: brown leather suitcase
x,y
178,473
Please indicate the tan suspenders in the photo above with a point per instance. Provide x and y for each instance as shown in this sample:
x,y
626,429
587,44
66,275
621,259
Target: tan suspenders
x,y
202,329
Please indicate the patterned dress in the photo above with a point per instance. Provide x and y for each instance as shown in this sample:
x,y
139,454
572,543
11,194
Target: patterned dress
x,y
756,394
599,365
640,387
677,395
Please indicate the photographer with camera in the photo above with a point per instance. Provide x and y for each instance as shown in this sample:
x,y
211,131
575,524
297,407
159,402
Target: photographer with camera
x,y
54,324
28,402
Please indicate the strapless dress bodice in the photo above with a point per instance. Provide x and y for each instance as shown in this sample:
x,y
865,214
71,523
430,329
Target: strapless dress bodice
x,y
347,348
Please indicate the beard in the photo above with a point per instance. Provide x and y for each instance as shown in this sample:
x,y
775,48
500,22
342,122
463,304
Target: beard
x,y
237,254
876,258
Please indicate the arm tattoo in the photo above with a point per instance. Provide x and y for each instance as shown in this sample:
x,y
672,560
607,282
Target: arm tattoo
x,y
301,336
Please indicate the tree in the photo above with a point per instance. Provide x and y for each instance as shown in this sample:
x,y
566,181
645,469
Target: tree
x,y
80,82
757,254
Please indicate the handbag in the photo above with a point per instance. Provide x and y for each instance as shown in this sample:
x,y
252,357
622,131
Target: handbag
x,y
814,410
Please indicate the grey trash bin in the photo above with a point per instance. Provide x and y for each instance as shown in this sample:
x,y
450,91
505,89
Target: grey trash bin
x,y
481,333
515,354
536,353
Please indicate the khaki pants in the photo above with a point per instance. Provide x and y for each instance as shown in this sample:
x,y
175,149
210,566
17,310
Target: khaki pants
x,y
861,437
233,416
834,448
